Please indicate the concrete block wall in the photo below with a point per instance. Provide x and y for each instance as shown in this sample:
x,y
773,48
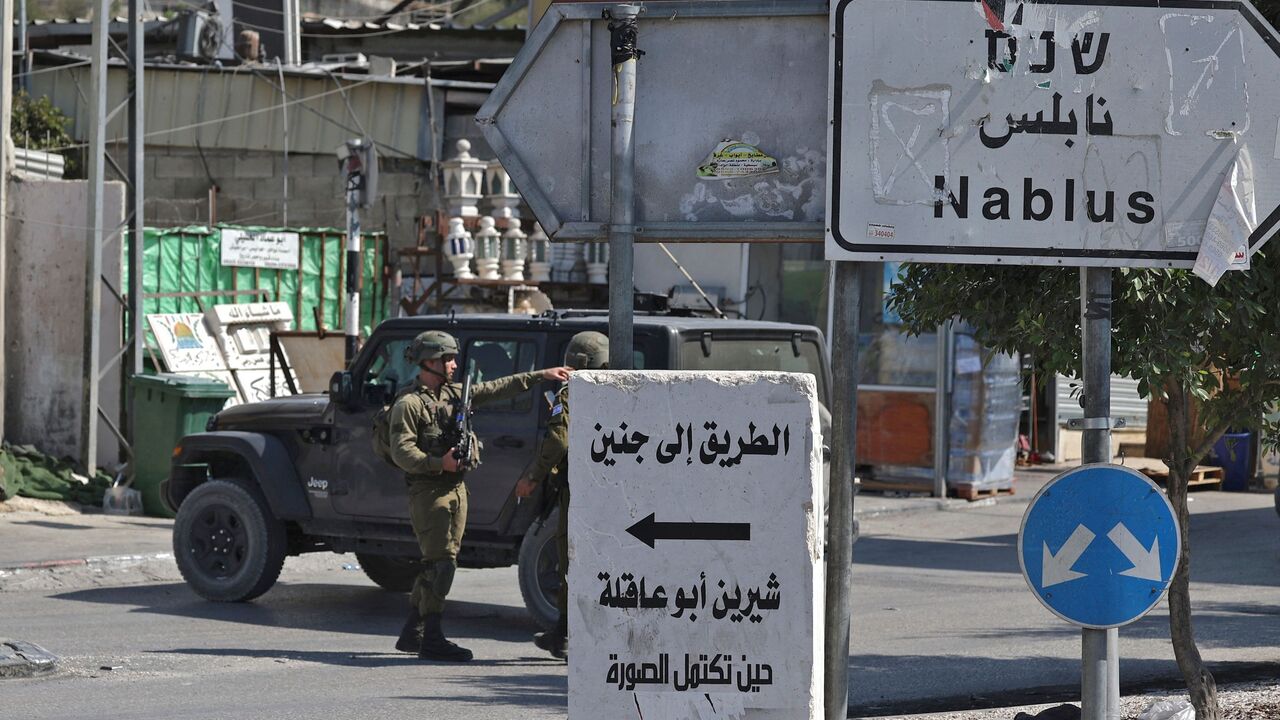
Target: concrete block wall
x,y
251,190
44,316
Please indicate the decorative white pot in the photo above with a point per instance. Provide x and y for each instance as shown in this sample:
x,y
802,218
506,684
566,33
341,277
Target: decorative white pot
x,y
459,249
488,249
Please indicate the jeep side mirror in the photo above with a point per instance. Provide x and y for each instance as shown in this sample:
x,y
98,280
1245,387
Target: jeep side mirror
x,y
340,387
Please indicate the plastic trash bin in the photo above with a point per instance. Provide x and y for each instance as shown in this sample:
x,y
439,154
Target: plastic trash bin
x,y
1234,454
168,408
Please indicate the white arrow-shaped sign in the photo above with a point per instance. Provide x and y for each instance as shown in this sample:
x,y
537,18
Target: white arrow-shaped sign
x,y
1146,563
1057,568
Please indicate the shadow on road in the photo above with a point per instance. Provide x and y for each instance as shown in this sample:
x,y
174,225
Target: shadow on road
x,y
319,607
1219,540
518,690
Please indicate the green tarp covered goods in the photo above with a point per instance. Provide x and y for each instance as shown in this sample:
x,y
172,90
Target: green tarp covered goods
x,y
182,262
27,472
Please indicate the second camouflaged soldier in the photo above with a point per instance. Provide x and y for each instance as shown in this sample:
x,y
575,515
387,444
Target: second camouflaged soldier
x,y
419,427
586,351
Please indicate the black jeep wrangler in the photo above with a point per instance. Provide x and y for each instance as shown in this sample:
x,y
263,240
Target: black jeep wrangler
x,y
298,474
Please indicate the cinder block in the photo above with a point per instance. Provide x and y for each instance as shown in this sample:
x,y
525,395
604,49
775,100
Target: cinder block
x,y
168,166
304,165
257,165
319,188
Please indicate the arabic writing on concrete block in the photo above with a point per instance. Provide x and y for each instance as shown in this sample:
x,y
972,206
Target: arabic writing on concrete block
x,y
695,538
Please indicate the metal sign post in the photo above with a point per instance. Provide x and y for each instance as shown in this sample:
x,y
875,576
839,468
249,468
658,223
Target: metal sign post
x,y
623,55
844,430
1099,649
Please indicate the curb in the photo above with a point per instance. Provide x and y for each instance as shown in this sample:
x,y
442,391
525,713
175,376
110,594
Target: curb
x,y
113,562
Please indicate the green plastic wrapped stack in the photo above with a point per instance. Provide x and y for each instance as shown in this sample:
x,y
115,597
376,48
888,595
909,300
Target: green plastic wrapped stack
x,y
30,473
180,261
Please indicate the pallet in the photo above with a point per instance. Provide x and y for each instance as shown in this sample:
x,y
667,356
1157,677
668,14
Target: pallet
x,y
1204,477
971,493
963,491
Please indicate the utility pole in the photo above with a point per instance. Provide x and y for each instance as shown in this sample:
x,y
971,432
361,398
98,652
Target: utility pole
x,y
97,115
6,109
360,165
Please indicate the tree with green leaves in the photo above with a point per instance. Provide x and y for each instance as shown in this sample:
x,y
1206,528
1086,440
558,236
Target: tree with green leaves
x,y
1187,343
37,124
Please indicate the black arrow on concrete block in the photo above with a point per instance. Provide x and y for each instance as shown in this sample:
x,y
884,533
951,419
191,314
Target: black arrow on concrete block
x,y
648,530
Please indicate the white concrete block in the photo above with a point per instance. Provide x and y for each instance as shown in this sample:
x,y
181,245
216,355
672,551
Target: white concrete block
x,y
696,546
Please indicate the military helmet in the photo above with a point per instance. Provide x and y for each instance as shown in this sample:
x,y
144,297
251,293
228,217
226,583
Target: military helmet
x,y
588,350
430,345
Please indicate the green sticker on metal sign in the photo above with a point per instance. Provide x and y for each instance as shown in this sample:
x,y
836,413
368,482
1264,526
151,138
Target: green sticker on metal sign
x,y
736,159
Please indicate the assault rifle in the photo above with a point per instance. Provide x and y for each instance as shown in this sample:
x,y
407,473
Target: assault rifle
x,y
462,422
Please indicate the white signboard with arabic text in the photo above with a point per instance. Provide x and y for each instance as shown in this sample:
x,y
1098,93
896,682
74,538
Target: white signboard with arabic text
x,y
696,544
1093,134
259,249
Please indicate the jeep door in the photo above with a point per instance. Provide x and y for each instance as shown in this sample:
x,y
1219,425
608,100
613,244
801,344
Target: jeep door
x,y
508,429
364,484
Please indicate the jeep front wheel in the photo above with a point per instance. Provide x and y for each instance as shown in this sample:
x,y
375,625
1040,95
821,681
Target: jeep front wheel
x,y
539,570
228,545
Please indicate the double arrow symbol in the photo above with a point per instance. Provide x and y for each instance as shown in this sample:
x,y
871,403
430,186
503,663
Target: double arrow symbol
x,y
1056,569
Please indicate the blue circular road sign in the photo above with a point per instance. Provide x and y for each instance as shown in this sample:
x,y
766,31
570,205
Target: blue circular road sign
x,y
1098,545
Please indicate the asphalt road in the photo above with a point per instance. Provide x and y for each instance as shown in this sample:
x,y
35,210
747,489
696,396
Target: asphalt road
x,y
941,620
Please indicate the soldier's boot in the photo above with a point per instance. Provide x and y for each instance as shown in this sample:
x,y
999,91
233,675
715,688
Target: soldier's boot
x,y
435,646
411,634
555,641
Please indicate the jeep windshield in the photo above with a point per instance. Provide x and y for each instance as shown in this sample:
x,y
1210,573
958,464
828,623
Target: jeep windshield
x,y
755,353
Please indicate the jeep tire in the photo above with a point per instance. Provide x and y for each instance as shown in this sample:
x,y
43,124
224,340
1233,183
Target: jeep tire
x,y
227,543
539,570
390,572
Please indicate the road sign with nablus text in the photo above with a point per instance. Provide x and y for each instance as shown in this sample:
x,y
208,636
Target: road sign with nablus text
x,y
1095,134
1098,545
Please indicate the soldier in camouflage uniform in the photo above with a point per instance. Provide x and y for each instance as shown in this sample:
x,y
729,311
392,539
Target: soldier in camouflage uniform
x,y
586,351
437,496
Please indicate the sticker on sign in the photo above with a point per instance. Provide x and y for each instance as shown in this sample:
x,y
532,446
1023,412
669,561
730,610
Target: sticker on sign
x,y
881,232
1093,134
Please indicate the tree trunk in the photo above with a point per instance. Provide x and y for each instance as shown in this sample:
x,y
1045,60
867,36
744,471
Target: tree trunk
x,y
1200,684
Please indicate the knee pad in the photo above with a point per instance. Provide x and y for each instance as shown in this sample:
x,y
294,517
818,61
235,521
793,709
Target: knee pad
x,y
442,572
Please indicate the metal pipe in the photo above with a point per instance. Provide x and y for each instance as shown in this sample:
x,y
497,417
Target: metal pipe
x,y
24,60
284,124
844,413
941,414
93,250
1100,673
622,237
137,219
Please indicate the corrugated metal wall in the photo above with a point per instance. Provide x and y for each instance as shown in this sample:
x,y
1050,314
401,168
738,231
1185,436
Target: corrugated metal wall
x,y
240,108
1125,401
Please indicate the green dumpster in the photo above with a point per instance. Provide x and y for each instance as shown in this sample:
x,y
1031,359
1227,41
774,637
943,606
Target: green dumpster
x,y
168,408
